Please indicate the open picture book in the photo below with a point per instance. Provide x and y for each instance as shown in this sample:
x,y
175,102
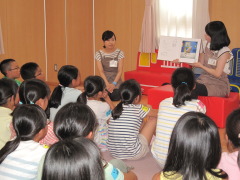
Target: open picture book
x,y
184,49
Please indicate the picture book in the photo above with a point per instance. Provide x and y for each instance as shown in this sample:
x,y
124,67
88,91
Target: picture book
x,y
184,49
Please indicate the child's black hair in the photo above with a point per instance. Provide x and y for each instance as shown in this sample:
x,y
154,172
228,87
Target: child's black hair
x,y
74,120
194,148
108,35
128,90
73,159
233,130
5,65
32,90
28,70
218,33
92,85
8,88
65,76
28,120
183,82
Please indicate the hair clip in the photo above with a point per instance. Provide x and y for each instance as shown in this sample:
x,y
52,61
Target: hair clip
x,y
31,102
184,83
239,135
20,102
60,85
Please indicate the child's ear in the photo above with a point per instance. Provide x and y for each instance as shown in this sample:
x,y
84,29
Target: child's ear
x,y
41,134
90,135
100,93
136,100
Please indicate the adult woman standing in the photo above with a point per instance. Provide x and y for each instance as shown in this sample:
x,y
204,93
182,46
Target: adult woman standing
x,y
110,64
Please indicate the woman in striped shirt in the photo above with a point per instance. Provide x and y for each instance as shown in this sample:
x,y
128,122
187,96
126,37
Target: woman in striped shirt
x,y
110,64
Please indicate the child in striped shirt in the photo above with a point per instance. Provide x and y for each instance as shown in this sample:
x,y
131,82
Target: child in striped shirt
x,y
171,109
128,136
20,157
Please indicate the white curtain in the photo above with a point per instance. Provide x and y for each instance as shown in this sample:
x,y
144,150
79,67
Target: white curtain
x,y
181,18
1,40
200,18
148,38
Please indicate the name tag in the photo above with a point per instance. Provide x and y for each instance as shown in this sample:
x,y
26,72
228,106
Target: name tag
x,y
113,63
212,61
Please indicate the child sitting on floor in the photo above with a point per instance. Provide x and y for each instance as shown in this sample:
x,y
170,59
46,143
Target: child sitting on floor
x,y
69,78
8,99
19,158
92,96
77,120
10,69
229,160
73,159
35,91
171,109
194,150
128,136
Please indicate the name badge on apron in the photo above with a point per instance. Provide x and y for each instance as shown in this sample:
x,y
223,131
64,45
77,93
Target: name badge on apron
x,y
212,61
113,63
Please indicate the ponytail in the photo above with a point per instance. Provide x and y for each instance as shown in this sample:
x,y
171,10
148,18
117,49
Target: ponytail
x,y
28,120
82,99
9,147
117,111
31,90
181,94
129,90
56,97
65,76
92,85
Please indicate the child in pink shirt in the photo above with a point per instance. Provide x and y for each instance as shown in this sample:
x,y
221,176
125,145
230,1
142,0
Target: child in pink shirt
x,y
229,160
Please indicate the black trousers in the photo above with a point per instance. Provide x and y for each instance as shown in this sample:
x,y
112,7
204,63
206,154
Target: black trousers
x,y
200,90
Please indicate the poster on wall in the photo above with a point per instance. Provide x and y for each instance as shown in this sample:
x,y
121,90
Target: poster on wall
x,y
184,49
144,59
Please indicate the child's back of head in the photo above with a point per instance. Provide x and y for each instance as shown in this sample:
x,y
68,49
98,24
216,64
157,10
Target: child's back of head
x,y
129,91
73,159
31,70
194,148
74,120
8,89
28,121
183,82
92,85
32,90
68,76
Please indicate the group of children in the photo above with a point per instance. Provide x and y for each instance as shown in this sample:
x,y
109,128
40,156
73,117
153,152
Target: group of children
x,y
60,135
186,145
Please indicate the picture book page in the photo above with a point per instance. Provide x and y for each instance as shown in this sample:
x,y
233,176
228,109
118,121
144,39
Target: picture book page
x,y
184,49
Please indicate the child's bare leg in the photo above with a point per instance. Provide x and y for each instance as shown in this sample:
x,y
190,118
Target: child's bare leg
x,y
130,176
149,128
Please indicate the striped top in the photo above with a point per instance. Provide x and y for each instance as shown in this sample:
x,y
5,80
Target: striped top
x,y
112,55
23,162
168,115
123,141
